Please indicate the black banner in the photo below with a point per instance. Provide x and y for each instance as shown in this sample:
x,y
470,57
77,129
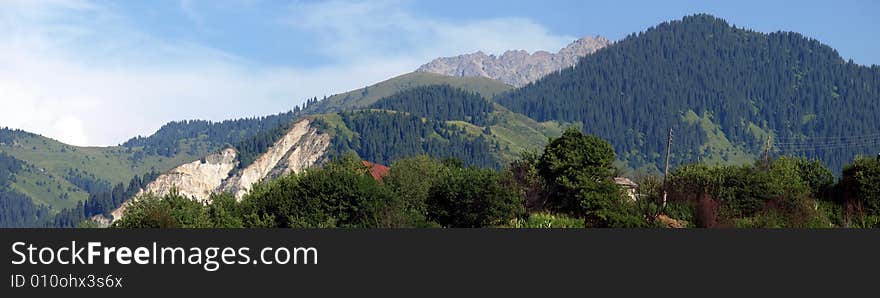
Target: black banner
x,y
458,263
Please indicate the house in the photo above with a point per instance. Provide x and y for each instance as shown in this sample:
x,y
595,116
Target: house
x,y
628,186
376,170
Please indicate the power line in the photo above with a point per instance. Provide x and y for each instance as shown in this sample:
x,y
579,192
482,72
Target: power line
x,y
822,138
835,142
842,141
812,146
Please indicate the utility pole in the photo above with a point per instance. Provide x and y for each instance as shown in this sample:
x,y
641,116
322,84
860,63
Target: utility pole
x,y
666,170
767,153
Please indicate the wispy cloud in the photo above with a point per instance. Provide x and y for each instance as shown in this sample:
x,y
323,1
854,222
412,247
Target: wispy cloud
x,y
386,28
82,72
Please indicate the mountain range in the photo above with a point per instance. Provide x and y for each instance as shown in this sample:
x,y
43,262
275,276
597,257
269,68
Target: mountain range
x,y
723,91
515,67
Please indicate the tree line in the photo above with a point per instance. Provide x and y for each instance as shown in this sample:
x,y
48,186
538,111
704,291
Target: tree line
x,y
570,184
385,136
16,209
439,103
101,203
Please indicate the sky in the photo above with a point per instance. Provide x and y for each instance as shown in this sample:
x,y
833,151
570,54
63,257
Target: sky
x,y
96,73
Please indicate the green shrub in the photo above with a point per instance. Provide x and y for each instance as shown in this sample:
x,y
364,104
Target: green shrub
x,y
343,194
411,179
472,197
170,211
862,180
544,220
681,211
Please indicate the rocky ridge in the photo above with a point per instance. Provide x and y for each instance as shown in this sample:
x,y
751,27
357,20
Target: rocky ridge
x,y
516,67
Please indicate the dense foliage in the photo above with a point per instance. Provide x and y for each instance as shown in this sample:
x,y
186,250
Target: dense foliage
x,y
411,179
748,83
250,136
87,181
384,137
8,136
440,103
784,193
577,176
251,148
177,211
101,203
342,194
472,197
860,191
577,164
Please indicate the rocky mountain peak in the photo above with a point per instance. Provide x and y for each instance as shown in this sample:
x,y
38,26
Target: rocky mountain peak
x,y
585,46
515,67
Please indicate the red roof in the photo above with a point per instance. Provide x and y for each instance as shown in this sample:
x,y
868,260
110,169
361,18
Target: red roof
x,y
378,171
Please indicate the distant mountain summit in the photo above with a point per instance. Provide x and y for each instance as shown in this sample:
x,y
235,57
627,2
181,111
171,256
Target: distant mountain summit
x,y
516,67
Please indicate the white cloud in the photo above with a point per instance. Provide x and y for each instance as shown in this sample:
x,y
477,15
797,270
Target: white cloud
x,y
382,28
79,72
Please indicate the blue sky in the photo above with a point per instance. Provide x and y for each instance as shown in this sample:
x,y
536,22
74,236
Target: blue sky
x,y
91,72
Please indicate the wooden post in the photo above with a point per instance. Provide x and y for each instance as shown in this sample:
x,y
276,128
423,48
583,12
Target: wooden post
x,y
767,153
666,170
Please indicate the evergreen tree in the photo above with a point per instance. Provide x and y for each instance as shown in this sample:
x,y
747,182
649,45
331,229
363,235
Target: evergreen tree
x,y
633,91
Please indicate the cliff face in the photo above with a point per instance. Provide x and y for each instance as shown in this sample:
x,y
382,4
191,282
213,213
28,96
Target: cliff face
x,y
198,178
301,147
518,67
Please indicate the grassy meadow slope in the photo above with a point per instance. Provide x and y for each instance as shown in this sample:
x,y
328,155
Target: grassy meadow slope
x,y
48,162
366,96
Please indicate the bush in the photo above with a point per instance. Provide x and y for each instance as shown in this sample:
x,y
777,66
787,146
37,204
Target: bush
x,y
170,211
783,195
861,180
472,197
343,194
544,220
411,180
681,211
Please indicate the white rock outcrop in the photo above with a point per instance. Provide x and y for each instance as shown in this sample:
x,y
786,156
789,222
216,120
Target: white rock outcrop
x,y
303,146
299,149
197,179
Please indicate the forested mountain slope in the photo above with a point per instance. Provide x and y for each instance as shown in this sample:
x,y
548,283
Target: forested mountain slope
x,y
438,120
361,98
250,136
722,89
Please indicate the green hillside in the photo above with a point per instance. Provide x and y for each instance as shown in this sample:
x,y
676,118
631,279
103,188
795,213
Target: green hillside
x,y
77,182
366,96
440,121
45,175
722,89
